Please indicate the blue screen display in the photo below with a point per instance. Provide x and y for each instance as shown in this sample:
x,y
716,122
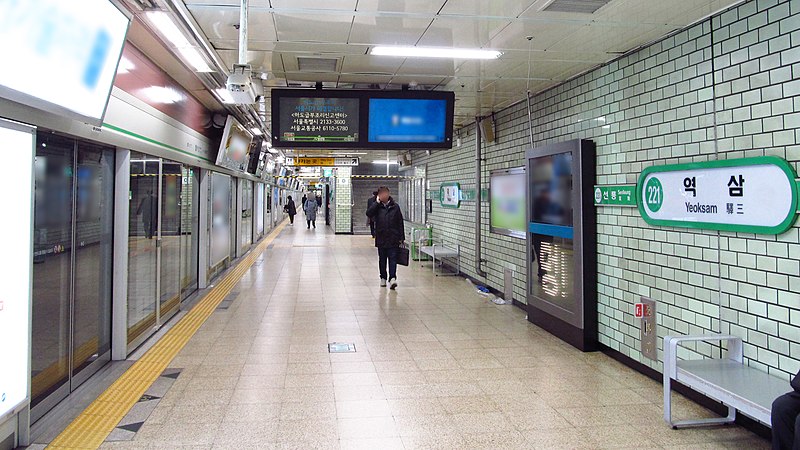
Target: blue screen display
x,y
407,120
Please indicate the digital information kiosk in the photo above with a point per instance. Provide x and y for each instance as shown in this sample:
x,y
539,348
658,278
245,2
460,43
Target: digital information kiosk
x,y
561,241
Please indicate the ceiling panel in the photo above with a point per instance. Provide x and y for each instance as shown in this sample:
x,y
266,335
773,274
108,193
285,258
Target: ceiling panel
x,y
313,28
253,45
494,8
253,3
219,23
418,80
371,64
545,35
392,30
563,45
404,6
427,66
345,5
461,32
260,61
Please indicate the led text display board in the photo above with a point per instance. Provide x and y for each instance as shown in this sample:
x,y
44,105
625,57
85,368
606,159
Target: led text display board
x,y
315,118
751,195
17,143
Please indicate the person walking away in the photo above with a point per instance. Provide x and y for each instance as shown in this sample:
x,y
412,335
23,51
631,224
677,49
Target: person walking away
x,y
318,199
786,418
303,203
291,209
310,209
389,234
371,201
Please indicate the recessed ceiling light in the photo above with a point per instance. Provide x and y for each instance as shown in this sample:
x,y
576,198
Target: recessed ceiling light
x,y
435,52
387,162
256,131
193,57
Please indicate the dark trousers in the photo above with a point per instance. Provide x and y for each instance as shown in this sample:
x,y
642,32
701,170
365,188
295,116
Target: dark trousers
x,y
291,218
372,228
388,255
311,222
786,422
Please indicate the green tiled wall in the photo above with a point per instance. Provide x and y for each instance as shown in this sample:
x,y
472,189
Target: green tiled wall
x,y
727,87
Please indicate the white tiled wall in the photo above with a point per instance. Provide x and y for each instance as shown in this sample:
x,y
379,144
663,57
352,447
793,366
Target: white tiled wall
x,y
728,87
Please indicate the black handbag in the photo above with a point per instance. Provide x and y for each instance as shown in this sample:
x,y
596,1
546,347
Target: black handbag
x,y
402,255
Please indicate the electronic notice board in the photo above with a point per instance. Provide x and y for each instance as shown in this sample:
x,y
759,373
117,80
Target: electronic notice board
x,y
318,120
304,118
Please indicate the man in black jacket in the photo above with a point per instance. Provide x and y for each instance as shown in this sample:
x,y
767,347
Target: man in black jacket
x,y
389,234
371,201
786,418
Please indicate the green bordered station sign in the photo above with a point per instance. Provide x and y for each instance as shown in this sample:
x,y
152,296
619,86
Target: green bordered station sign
x,y
750,195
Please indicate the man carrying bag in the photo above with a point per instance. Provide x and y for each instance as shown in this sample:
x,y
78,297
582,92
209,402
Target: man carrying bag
x,y
389,234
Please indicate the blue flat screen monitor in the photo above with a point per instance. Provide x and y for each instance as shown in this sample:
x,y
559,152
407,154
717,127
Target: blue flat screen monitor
x,y
395,120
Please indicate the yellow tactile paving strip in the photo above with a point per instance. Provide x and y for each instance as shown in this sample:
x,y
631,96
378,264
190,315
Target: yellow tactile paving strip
x,y
96,422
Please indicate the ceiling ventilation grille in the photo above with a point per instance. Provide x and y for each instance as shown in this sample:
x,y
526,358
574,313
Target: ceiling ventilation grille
x,y
306,64
576,6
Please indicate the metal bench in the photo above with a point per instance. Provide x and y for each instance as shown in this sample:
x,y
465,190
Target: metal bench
x,y
728,380
440,253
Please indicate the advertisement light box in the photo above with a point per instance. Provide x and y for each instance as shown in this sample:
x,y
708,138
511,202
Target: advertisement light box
x,y
16,239
59,57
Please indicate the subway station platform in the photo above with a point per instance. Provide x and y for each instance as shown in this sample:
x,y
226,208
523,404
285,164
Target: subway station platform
x,y
435,366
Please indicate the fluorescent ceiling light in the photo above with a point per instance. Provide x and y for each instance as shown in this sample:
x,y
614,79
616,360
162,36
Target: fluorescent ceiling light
x,y
387,162
256,131
167,28
160,94
224,95
435,52
195,59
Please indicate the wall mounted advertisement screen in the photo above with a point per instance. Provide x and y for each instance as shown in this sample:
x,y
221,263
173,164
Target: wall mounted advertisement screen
x,y
17,144
507,202
60,58
234,147
316,118
220,218
399,120
551,189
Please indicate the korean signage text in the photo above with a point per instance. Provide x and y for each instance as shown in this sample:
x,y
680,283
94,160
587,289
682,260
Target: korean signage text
x,y
321,162
752,195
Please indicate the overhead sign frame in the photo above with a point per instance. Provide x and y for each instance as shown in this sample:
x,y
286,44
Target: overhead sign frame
x,y
650,203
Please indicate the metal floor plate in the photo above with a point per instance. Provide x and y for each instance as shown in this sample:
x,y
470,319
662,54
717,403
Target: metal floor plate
x,y
338,347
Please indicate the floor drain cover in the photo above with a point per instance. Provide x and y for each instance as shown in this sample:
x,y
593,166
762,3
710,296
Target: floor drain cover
x,y
338,347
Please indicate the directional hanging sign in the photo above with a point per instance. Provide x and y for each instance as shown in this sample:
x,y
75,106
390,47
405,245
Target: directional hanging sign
x,y
322,162
751,195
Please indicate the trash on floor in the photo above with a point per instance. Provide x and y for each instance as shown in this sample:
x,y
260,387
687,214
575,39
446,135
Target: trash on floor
x,y
483,291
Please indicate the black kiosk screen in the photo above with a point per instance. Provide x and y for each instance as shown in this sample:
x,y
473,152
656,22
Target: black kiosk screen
x,y
318,119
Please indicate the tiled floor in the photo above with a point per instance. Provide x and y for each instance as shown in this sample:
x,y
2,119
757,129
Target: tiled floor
x,y
437,366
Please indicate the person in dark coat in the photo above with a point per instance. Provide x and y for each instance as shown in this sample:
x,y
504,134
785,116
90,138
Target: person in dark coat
x,y
290,209
148,208
303,203
786,418
389,234
319,201
310,209
371,201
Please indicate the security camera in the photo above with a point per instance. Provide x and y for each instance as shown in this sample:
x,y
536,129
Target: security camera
x,y
241,86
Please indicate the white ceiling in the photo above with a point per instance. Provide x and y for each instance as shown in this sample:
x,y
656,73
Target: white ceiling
x,y
563,45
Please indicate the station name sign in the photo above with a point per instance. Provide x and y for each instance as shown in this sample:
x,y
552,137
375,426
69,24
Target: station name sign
x,y
750,195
